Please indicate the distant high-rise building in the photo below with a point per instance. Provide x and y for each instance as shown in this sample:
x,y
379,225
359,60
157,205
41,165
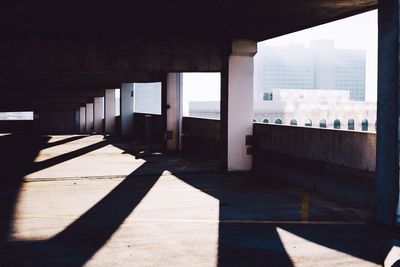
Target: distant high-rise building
x,y
319,66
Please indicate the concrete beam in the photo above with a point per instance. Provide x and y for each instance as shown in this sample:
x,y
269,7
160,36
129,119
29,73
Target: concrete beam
x,y
108,61
259,19
75,81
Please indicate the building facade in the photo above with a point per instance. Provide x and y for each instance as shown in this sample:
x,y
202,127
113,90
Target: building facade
x,y
332,109
320,66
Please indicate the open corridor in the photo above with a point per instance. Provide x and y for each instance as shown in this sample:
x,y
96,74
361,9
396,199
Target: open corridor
x,y
85,200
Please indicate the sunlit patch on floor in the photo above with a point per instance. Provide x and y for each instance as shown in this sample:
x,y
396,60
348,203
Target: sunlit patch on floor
x,y
165,222
299,249
45,209
102,161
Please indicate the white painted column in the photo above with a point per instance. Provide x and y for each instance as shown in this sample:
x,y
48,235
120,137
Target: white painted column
x,y
98,114
174,111
127,109
82,120
240,103
89,118
109,111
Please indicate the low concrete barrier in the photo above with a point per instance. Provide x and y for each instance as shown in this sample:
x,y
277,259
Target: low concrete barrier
x,y
334,162
148,127
201,137
19,126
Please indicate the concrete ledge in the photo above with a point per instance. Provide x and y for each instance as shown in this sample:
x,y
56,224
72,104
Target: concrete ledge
x,y
201,137
352,149
339,182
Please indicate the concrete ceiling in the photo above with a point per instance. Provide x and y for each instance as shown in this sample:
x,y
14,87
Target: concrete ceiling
x,y
53,49
166,20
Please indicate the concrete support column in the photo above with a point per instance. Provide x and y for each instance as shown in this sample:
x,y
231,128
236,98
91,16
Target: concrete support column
x,y
109,111
89,118
174,111
98,114
240,104
387,146
77,120
82,120
127,109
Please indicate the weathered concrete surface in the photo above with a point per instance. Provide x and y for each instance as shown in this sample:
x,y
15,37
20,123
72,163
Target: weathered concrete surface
x,y
337,163
80,156
351,149
57,122
167,217
86,156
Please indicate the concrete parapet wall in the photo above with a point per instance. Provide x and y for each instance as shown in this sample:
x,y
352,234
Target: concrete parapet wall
x,y
18,126
201,137
57,122
202,128
351,149
147,127
339,164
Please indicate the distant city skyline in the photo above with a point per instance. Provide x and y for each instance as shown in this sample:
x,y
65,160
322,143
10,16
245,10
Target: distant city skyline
x,y
320,66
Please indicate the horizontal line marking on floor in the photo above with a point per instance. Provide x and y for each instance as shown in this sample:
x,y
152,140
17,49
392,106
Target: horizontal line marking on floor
x,y
95,177
206,220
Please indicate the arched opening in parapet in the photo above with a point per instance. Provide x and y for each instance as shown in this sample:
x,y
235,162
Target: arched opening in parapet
x,y
308,123
364,125
350,124
322,123
278,121
265,121
336,124
293,122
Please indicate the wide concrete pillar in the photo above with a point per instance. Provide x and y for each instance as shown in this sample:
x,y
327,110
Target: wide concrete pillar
x,y
82,120
89,118
388,138
240,104
174,111
127,108
109,111
98,114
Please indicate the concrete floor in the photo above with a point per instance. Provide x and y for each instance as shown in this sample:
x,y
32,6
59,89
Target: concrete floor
x,y
78,200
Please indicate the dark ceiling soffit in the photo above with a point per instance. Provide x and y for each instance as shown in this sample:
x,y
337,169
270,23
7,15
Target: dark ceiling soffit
x,y
319,22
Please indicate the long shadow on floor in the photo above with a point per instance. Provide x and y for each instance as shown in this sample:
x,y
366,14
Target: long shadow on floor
x,y
242,241
248,235
75,245
17,152
64,141
85,236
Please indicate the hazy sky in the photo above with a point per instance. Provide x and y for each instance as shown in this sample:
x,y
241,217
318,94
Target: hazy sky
x,y
200,87
357,32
